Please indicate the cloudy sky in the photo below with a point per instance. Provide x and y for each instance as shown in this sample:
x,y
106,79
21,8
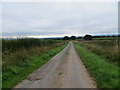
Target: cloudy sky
x,y
57,19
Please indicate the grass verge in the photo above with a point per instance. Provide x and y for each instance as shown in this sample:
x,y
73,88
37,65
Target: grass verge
x,y
107,49
13,74
104,73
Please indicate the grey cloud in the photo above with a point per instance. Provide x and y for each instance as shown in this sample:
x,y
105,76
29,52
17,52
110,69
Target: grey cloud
x,y
59,18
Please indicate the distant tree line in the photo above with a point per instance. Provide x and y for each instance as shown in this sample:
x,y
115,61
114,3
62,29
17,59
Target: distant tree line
x,y
106,36
69,38
88,37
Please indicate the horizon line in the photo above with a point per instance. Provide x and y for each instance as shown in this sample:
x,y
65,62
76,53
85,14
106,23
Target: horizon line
x,y
38,36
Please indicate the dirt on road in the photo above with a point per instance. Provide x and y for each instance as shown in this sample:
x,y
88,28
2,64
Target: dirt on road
x,y
65,70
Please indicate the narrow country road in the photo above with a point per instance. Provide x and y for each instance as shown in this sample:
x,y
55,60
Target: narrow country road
x,y
65,70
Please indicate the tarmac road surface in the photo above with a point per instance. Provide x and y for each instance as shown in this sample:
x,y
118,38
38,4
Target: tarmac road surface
x,y
65,70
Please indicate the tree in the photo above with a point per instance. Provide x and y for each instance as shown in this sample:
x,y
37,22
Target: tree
x,y
88,37
72,37
79,37
66,38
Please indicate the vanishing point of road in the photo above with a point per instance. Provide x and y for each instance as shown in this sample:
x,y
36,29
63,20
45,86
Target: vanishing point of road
x,y
65,70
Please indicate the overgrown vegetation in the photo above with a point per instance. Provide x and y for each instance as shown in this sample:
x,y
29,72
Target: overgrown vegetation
x,y
20,49
12,45
107,49
23,56
104,73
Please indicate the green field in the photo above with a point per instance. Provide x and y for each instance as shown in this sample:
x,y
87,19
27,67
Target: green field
x,y
104,72
20,61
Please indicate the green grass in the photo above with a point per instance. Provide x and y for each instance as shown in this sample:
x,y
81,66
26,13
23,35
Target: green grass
x,y
104,73
14,73
107,49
